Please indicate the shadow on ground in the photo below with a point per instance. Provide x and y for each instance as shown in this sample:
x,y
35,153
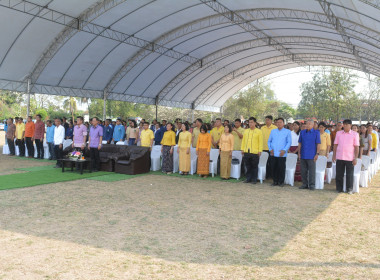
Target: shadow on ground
x,y
175,219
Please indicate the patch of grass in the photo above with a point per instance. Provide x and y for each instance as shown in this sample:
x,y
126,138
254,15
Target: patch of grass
x,y
37,168
46,176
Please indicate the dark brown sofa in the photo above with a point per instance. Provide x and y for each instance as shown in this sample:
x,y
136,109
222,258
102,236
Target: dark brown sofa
x,y
136,161
121,159
109,154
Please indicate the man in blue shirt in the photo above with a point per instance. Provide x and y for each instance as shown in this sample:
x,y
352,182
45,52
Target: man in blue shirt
x,y
118,132
308,143
50,139
279,142
107,131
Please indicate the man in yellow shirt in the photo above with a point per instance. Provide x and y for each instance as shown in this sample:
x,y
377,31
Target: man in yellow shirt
x,y
266,130
374,140
251,148
20,134
147,136
237,132
196,131
216,133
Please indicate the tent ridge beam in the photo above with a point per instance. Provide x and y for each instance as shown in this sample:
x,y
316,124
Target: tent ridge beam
x,y
335,22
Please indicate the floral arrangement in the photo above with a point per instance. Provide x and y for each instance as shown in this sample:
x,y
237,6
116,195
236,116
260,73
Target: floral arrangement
x,y
75,155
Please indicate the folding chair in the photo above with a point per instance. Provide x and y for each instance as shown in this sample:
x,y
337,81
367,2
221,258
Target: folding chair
x,y
175,159
364,173
236,168
193,160
291,163
357,169
214,154
320,170
329,170
262,172
155,158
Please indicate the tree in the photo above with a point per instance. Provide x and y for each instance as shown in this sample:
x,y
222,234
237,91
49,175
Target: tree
x,y
329,96
43,113
258,100
286,111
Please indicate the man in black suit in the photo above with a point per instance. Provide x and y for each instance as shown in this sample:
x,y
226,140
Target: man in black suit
x,y
178,131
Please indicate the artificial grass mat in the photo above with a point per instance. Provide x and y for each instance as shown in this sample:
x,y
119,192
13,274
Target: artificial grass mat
x,y
37,168
41,177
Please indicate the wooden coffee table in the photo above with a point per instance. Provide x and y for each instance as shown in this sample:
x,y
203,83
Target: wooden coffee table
x,y
75,162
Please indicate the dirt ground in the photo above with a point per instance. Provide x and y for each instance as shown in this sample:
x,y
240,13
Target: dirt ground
x,y
157,227
9,164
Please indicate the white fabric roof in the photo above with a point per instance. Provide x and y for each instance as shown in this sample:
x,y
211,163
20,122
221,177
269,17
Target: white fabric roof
x,y
190,54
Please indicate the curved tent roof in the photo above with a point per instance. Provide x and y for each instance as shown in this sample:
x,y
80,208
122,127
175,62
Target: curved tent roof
x,y
180,53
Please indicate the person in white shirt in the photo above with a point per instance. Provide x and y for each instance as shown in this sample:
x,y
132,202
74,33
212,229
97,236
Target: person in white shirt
x,y
59,137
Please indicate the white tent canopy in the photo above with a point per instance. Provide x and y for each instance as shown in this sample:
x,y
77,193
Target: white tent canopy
x,y
181,53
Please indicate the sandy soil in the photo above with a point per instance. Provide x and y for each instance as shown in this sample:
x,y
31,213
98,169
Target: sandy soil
x,y
157,227
8,164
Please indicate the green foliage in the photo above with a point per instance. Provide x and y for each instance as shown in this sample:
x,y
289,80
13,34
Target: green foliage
x,y
330,96
258,100
43,114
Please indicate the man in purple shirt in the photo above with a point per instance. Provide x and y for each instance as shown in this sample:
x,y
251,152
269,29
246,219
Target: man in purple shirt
x,y
80,135
95,143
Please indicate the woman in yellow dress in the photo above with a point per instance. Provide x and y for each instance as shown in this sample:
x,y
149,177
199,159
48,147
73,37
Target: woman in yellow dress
x,y
203,151
226,146
168,143
184,143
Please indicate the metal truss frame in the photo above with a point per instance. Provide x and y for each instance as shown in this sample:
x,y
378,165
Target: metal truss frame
x,y
215,20
77,92
312,58
259,14
347,29
83,24
251,78
212,60
237,19
326,7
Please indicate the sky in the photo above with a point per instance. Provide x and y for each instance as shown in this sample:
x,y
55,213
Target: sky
x,y
286,84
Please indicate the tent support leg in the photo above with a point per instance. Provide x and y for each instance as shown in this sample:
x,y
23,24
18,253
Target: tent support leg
x,y
28,99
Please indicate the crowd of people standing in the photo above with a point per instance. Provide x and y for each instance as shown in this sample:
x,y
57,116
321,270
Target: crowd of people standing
x,y
308,140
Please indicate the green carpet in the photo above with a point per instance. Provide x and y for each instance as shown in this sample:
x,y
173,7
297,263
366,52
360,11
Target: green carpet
x,y
35,178
37,168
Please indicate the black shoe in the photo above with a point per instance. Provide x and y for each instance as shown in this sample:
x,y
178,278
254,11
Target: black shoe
x,y
246,181
281,185
303,187
312,189
254,182
274,184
